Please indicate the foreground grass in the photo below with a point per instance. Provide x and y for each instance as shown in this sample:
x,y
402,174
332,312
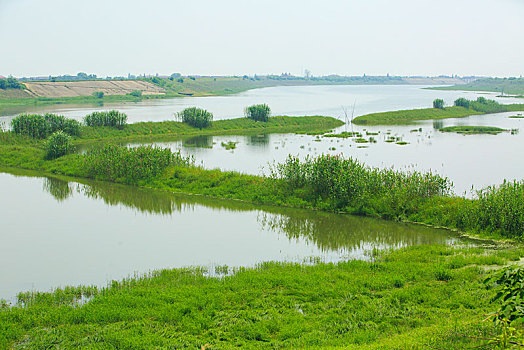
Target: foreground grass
x,y
473,130
417,297
412,115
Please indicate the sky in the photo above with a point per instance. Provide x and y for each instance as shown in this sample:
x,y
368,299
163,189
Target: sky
x,y
237,37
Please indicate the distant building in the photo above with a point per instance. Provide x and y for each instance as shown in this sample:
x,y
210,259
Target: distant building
x,y
2,77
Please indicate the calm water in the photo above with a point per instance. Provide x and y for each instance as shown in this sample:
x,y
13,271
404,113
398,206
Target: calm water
x,y
56,233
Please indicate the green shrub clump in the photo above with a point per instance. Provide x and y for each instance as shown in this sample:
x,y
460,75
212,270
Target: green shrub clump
x,y
130,165
58,145
462,102
259,113
135,93
98,94
196,117
41,126
335,183
112,118
438,103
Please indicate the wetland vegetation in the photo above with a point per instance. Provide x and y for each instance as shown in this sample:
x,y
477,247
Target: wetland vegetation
x,y
480,106
431,296
508,86
473,130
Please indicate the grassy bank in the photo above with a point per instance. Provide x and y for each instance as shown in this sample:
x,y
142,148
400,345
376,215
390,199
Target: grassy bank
x,y
418,297
413,115
511,86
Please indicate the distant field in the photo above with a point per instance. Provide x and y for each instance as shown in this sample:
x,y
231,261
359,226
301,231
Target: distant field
x,y
512,86
87,88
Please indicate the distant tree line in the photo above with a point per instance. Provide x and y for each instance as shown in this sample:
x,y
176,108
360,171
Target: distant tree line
x,y
10,83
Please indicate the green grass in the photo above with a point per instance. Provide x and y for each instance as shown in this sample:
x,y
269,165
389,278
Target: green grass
x,y
513,86
174,129
413,115
418,297
473,130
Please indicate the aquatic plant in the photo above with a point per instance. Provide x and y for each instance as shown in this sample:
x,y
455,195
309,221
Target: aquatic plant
x,y
58,145
470,130
259,113
130,165
349,185
112,118
438,103
41,126
196,117
229,145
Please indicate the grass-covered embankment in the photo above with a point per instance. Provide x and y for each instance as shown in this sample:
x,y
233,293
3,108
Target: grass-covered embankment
x,y
413,115
418,297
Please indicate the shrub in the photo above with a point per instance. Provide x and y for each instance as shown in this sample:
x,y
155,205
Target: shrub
x,y
346,184
98,94
438,103
135,93
10,83
260,113
462,102
196,117
58,145
130,165
112,118
38,126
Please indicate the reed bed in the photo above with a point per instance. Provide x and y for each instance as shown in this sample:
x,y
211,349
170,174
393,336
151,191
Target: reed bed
x,y
130,165
114,119
41,126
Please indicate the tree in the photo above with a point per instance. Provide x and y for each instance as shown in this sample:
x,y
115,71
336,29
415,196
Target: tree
x,y
98,94
258,113
462,102
438,103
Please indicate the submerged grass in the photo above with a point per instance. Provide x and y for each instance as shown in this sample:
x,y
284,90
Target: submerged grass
x,y
473,130
417,297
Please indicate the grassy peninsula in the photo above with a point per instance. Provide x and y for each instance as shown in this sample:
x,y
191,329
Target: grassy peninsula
x,y
480,106
507,86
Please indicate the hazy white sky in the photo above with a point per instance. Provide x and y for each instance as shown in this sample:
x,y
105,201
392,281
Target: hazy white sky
x,y
236,37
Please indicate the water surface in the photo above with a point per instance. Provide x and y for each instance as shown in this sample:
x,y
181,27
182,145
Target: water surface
x,y
57,233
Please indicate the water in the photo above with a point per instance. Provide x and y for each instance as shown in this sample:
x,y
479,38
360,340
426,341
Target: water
x,y
283,100
469,161
57,233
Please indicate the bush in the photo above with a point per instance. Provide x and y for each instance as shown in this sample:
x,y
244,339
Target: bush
x,y
196,117
98,94
462,102
58,145
112,118
438,103
10,83
135,93
38,126
130,165
260,113
346,184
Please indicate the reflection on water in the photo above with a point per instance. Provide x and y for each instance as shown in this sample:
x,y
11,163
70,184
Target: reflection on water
x,y
328,231
88,232
202,141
